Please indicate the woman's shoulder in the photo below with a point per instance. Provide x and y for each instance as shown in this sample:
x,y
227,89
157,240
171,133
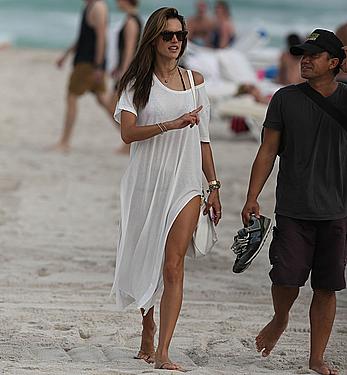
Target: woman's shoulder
x,y
132,22
198,77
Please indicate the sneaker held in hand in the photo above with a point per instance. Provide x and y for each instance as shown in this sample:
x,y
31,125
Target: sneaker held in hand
x,y
249,241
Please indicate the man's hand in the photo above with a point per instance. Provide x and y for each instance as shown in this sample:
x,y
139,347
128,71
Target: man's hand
x,y
251,207
60,61
98,75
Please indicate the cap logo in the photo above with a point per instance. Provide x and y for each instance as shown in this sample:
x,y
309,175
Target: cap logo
x,y
313,36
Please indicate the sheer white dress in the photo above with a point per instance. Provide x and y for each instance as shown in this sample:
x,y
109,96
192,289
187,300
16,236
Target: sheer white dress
x,y
164,174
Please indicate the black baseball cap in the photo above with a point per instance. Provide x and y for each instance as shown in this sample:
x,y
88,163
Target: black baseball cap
x,y
319,41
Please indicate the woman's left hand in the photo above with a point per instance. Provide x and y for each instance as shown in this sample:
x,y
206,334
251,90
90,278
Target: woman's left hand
x,y
214,203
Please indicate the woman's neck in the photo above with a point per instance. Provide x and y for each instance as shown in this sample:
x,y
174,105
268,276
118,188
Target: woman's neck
x,y
165,68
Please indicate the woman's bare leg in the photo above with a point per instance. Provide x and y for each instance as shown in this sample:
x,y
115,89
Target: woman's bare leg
x,y
147,352
176,247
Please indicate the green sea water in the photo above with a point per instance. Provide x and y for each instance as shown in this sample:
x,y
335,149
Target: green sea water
x,y
54,23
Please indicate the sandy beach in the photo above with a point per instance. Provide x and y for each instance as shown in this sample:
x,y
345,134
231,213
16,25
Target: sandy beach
x,y
58,230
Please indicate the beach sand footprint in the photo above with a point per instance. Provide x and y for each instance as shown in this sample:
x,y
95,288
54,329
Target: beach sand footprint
x,y
87,354
51,354
3,219
43,272
63,327
9,184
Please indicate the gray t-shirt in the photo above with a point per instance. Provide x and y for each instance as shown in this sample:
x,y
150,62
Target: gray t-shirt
x,y
312,177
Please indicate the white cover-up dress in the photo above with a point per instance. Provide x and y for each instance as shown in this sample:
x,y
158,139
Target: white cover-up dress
x,y
164,174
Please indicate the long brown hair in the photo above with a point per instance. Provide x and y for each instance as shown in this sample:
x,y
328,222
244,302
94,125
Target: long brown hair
x,y
140,71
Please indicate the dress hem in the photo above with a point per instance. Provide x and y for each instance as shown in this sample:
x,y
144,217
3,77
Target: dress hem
x,y
147,300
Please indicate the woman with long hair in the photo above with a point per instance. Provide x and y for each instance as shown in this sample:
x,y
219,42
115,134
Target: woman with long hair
x,y
161,190
128,40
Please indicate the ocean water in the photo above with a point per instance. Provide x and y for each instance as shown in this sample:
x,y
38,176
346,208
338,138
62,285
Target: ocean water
x,y
54,23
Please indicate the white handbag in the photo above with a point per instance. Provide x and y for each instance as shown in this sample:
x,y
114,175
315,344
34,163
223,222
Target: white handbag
x,y
204,236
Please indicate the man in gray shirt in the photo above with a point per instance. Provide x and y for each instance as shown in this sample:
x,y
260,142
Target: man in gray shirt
x,y
310,235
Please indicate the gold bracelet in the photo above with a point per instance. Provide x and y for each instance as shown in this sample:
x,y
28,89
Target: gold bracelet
x,y
161,129
164,126
214,185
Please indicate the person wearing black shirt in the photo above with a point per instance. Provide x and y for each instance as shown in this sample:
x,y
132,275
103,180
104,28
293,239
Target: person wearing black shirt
x,y
88,74
310,235
128,40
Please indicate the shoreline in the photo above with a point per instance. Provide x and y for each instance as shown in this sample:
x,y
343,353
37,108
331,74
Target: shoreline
x,y
58,230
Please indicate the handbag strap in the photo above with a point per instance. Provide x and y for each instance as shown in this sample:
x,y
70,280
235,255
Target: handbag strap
x,y
192,86
324,104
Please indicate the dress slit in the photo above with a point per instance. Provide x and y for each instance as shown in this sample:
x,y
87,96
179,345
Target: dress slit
x,y
148,299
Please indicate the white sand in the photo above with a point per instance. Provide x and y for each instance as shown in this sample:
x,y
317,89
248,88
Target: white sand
x,y
58,229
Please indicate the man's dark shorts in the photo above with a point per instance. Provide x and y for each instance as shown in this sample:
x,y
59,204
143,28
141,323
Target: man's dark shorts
x,y
299,247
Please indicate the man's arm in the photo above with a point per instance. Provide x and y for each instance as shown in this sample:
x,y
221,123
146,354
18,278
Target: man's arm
x,y
261,169
98,20
61,60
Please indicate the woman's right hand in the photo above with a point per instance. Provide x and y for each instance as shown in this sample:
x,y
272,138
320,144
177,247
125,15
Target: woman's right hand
x,y
190,118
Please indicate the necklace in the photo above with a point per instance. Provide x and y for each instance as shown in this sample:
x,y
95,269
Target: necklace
x,y
166,80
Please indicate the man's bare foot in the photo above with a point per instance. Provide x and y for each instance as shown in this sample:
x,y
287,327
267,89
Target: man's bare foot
x,y
269,335
322,368
147,352
60,147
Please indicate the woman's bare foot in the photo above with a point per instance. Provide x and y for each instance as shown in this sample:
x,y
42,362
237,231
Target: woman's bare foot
x,y
322,368
147,352
269,335
168,365
147,357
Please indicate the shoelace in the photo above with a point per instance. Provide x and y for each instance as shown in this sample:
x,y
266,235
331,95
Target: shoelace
x,y
240,243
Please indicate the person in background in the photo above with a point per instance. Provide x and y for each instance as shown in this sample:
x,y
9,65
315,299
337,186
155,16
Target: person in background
x,y
238,124
309,239
128,40
88,74
289,65
254,91
201,25
224,33
341,33
160,193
